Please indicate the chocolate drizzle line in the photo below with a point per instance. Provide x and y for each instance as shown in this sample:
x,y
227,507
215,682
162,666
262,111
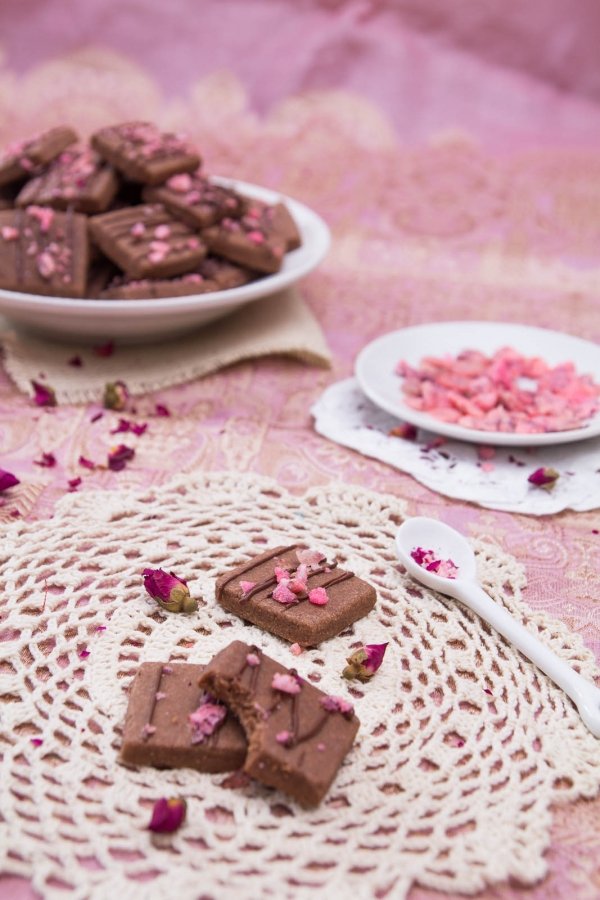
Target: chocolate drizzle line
x,y
157,680
279,551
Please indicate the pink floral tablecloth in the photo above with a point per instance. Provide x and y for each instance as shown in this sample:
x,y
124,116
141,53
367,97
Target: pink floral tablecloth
x,y
457,227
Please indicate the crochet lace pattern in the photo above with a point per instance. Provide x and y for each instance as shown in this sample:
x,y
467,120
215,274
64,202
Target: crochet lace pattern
x,y
463,746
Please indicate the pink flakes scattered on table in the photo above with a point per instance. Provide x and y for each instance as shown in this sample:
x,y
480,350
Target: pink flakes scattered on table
x,y
506,392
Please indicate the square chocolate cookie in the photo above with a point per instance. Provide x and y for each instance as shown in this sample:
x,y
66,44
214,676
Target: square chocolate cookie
x,y
211,275
195,200
170,723
43,251
146,241
24,158
144,153
296,594
297,735
78,178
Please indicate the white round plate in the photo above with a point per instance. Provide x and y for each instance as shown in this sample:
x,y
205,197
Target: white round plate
x,y
139,320
377,361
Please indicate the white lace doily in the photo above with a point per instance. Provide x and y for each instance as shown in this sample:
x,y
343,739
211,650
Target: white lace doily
x,y
462,749
281,324
345,415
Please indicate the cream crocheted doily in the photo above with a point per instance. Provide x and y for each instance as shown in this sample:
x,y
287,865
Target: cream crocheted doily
x,y
462,749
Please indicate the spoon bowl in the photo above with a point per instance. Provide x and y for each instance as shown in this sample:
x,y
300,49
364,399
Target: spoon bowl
x,y
448,544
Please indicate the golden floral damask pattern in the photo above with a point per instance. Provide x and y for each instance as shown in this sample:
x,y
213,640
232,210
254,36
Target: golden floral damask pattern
x,y
439,232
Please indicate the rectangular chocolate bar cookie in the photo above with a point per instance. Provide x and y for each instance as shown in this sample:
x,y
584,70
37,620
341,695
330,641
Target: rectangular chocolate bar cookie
x,y
23,158
211,275
78,178
297,735
195,200
43,251
146,241
171,724
296,594
144,153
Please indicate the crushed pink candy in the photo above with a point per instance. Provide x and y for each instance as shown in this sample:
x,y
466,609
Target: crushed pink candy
x,y
286,683
506,392
445,568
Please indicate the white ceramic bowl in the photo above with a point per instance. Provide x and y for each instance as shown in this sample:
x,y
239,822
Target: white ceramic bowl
x,y
145,320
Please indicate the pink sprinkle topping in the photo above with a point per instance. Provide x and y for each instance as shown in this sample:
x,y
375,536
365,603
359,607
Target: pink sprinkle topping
x,y
162,231
281,574
257,237
205,720
284,737
507,392
310,558
252,660
318,596
337,704
283,594
247,586
137,230
43,214
180,183
167,670
192,243
445,568
46,265
9,233
286,683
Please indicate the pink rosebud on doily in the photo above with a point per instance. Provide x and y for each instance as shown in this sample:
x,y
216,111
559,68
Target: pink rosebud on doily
x,y
171,592
167,815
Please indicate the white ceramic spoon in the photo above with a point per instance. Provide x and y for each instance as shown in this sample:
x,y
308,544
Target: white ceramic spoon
x,y
447,543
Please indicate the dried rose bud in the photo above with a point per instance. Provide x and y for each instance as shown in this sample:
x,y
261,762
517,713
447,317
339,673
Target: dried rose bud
x,y
43,394
405,431
365,662
119,457
544,477
167,815
116,395
7,480
171,592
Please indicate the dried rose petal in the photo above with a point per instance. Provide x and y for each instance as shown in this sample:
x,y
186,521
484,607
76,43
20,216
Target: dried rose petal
x,y
337,704
445,568
205,720
161,410
544,477
318,596
116,395
75,361
406,431
43,394
171,592
7,480
86,463
281,574
139,428
167,815
47,461
74,484
310,558
296,649
283,594
106,349
286,683
123,427
364,662
37,742
119,457
247,586
284,737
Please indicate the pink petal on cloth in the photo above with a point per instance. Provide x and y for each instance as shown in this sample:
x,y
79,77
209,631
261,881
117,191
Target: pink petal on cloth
x,y
7,480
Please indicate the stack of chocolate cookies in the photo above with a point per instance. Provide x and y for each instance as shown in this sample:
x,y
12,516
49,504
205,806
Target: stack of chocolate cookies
x,y
131,215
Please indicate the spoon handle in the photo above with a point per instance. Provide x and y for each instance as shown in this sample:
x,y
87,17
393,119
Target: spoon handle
x,y
585,695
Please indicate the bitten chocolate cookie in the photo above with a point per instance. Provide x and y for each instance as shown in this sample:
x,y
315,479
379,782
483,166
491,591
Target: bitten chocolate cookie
x,y
78,178
297,735
296,594
146,241
23,158
43,251
144,153
195,200
170,723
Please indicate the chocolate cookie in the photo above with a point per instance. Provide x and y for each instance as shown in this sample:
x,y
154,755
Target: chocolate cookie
x,y
78,178
297,735
302,602
211,275
144,153
167,717
24,158
195,200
